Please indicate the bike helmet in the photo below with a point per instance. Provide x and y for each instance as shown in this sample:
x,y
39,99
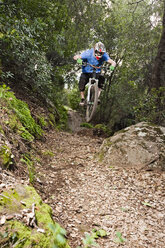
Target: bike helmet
x,y
99,50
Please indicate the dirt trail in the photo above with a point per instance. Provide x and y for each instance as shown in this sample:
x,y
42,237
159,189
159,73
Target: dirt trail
x,y
85,194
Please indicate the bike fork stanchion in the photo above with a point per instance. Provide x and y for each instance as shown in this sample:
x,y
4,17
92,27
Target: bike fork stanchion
x,y
92,99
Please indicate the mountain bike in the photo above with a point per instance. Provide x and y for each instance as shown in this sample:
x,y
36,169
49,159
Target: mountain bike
x,y
92,94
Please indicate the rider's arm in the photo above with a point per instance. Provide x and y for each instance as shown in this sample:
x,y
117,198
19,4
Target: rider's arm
x,y
112,62
76,57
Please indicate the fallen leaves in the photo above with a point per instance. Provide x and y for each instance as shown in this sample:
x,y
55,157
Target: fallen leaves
x,y
85,194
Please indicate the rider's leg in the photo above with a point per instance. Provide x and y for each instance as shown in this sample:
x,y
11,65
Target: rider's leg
x,y
100,84
82,94
83,81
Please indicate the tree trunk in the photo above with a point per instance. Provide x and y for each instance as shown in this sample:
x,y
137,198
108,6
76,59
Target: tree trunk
x,y
158,73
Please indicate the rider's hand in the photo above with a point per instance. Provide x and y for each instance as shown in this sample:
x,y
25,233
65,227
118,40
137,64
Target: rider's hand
x,y
79,61
111,68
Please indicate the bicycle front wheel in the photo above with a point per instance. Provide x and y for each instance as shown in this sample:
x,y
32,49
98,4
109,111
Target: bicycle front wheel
x,y
92,102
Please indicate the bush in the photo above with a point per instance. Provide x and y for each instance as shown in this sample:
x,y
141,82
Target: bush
x,y
74,99
151,107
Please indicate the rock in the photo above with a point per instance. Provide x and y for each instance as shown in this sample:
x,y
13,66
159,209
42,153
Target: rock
x,y
74,120
45,232
137,146
3,220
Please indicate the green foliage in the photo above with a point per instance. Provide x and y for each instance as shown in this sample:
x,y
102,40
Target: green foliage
x,y
6,156
20,108
99,233
27,160
89,240
119,239
134,53
38,39
87,125
42,121
23,113
74,98
103,128
59,240
48,153
151,106
147,204
25,134
62,124
117,106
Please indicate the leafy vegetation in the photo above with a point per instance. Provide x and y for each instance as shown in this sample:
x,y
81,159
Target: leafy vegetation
x,y
38,40
6,156
59,234
28,161
89,240
119,238
29,128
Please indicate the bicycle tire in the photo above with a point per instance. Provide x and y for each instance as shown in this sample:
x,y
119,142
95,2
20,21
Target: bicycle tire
x,y
92,103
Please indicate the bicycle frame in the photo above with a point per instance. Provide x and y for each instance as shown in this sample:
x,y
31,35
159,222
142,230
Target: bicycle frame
x,y
92,94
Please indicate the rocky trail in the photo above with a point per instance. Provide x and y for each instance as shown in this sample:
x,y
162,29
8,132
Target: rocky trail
x,y
84,194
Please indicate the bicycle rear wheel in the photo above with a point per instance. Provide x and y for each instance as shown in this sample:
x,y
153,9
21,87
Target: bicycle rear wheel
x,y
92,102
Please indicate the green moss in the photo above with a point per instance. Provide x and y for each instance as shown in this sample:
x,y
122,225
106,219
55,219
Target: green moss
x,y
28,161
101,156
87,125
25,236
104,129
22,113
43,123
1,130
25,134
63,121
105,147
11,201
108,143
5,156
13,122
52,120
48,153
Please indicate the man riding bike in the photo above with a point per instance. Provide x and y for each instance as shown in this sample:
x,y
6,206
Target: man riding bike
x,y
94,56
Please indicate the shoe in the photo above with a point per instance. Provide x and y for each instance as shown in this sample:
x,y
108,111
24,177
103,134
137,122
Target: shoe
x,y
82,103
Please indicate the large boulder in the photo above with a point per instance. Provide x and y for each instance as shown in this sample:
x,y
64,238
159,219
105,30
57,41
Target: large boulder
x,y
139,146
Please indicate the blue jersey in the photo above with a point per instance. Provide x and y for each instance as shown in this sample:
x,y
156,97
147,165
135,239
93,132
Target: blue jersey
x,y
88,56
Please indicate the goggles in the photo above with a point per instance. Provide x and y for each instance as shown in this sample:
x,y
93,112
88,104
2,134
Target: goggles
x,y
98,54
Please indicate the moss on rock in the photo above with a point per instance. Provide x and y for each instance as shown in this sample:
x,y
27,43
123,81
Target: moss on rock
x,y
12,202
19,111
5,156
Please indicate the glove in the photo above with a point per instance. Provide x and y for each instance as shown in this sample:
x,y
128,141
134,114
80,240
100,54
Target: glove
x,y
79,61
111,68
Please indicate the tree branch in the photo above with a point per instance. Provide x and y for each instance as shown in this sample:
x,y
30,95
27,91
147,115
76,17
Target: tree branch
x,y
136,2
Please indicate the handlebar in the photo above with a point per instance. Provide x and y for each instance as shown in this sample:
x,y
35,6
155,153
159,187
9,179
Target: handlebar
x,y
83,63
93,66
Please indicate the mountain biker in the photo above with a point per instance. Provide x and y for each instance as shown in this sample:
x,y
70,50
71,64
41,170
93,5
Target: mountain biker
x,y
95,56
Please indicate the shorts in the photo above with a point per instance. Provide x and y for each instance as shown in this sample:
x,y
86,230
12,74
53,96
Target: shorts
x,y
84,79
